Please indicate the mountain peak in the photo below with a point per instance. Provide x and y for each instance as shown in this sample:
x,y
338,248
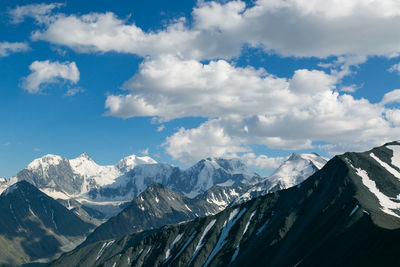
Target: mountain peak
x,y
313,158
21,186
45,161
85,155
296,169
128,163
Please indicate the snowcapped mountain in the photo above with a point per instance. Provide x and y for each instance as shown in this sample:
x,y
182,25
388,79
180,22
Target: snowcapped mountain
x,y
295,170
107,188
191,182
346,214
128,163
63,178
291,172
212,171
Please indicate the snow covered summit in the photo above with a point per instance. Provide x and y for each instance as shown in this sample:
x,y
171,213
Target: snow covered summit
x,y
291,172
295,170
63,178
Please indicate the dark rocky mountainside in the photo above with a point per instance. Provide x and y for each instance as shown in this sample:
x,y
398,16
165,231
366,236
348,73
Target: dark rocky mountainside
x,y
158,206
35,227
346,214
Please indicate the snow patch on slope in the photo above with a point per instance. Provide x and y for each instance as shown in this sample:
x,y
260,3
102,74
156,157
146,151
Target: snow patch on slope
x,y
200,244
386,166
396,155
387,204
176,240
10,189
233,217
55,194
248,222
186,244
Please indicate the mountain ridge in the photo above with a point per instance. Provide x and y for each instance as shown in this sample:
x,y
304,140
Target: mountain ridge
x,y
336,217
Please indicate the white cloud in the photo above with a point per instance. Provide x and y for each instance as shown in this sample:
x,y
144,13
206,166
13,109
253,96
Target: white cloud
x,y
74,91
246,106
145,151
351,88
205,141
7,48
171,88
395,68
105,32
40,12
46,72
161,128
311,28
262,161
393,115
219,30
391,97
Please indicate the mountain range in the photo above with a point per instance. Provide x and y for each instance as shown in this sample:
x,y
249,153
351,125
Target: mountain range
x,y
159,205
217,184
108,188
346,214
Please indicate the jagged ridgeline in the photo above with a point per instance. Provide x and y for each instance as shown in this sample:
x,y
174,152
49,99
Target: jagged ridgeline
x,y
346,214
159,205
226,181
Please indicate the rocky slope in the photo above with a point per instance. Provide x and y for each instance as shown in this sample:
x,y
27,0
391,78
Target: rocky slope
x,y
346,214
35,227
158,206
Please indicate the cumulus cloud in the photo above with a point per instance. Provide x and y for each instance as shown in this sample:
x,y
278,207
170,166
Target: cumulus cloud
x,y
7,48
170,88
219,30
97,32
40,12
247,106
46,72
188,145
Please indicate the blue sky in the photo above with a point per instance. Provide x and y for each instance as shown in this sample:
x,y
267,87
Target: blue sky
x,y
185,80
